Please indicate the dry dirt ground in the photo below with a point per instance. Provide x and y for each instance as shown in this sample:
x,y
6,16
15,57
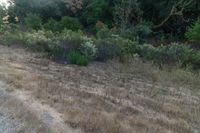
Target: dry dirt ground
x,y
40,96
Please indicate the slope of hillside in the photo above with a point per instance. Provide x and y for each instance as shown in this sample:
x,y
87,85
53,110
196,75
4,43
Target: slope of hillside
x,y
103,98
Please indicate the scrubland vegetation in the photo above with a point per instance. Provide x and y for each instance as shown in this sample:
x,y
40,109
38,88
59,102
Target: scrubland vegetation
x,y
79,32
144,56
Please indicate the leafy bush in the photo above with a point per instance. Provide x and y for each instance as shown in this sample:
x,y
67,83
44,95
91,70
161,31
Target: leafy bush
x,y
193,32
146,51
88,49
174,54
33,21
169,54
70,23
66,22
70,40
12,28
104,33
107,49
36,40
138,32
195,60
76,58
53,25
113,47
9,34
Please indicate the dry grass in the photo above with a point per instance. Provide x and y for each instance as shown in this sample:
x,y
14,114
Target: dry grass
x,y
112,97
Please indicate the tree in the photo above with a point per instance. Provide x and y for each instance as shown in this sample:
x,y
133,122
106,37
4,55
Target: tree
x,y
97,10
170,16
33,21
127,12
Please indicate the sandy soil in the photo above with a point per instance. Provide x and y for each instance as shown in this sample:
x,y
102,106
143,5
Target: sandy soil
x,y
100,98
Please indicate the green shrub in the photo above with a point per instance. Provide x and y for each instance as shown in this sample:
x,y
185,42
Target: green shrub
x,y
70,40
33,21
114,47
53,25
104,33
12,28
193,32
76,58
70,23
147,51
107,49
174,54
170,54
195,60
9,34
8,38
88,49
36,40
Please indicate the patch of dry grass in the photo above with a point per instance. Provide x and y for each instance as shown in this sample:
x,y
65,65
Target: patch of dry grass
x,y
112,97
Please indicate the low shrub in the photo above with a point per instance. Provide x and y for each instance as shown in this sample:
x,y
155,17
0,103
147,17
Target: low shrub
x,y
179,54
88,48
114,46
193,32
36,40
146,51
70,40
76,58
9,34
104,33
70,23
53,25
12,28
33,21
195,60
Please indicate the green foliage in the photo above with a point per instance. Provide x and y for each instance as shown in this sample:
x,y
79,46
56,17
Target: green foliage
x,y
127,13
33,21
97,10
195,60
36,40
174,53
112,47
104,33
76,58
53,25
9,34
70,23
179,54
193,32
66,22
70,40
88,49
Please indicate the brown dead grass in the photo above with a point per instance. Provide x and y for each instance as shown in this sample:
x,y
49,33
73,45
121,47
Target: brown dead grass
x,y
109,97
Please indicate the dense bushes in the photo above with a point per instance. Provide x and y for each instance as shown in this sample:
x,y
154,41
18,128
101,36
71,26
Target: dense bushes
x,y
113,46
33,21
70,23
76,58
53,25
9,34
193,32
65,23
174,54
77,48
36,40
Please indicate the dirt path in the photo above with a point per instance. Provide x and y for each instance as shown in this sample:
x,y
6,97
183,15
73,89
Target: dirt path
x,y
100,98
